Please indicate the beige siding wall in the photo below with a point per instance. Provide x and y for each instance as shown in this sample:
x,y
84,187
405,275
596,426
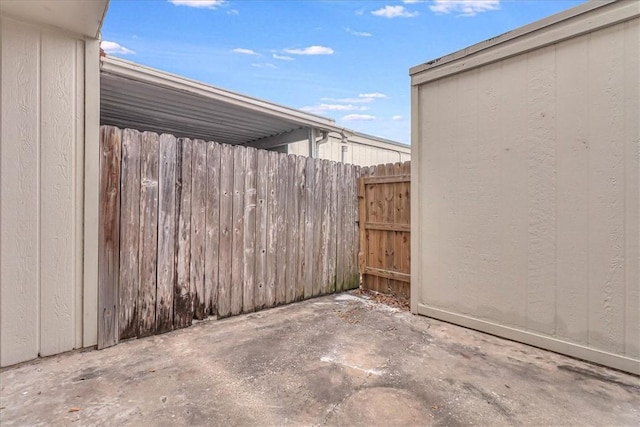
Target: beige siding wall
x,y
41,155
361,151
527,187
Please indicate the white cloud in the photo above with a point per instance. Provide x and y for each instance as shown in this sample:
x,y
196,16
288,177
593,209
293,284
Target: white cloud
x,y
372,95
397,117
244,51
358,33
362,98
464,7
233,12
413,1
323,108
264,65
113,47
311,50
200,4
394,12
282,57
358,117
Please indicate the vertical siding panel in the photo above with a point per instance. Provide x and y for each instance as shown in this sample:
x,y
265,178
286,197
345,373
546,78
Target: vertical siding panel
x,y
237,260
226,231
573,156
78,189
541,283
250,201
262,203
182,304
57,133
212,243
513,184
606,190
166,233
19,280
148,240
198,226
632,188
129,274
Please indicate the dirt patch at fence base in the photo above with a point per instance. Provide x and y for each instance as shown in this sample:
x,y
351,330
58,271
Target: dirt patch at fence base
x,y
335,360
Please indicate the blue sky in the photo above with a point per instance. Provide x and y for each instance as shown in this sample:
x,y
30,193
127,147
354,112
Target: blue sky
x,y
347,60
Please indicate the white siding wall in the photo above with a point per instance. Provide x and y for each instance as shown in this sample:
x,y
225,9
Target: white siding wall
x,y
527,187
360,151
41,154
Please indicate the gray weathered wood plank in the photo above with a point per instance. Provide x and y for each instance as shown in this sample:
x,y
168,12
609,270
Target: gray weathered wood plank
x,y
309,225
250,201
212,238
166,233
318,199
332,230
291,221
109,236
341,201
301,179
237,260
198,226
226,231
146,307
262,196
182,303
326,224
281,224
129,233
271,226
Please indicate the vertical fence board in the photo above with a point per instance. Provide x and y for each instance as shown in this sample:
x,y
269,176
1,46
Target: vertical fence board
x,y
281,224
272,238
212,238
129,233
262,215
326,225
318,197
332,231
198,225
291,221
237,260
166,234
353,271
146,307
341,222
309,226
109,237
250,201
226,231
182,305
301,196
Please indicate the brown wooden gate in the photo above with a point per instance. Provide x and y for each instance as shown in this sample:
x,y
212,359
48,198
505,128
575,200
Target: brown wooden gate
x,y
385,251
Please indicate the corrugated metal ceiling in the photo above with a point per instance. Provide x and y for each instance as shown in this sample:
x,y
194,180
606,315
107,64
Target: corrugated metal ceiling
x,y
138,97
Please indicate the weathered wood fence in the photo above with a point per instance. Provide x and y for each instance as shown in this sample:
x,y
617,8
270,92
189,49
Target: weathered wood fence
x,y
190,229
385,230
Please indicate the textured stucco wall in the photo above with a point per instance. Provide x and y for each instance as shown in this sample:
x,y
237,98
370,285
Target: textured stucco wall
x,y
41,155
527,188
358,152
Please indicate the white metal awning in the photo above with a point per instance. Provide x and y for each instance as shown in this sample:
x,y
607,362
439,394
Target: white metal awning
x,y
139,97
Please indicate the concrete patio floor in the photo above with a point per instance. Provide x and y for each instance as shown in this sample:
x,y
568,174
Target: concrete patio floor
x,y
336,360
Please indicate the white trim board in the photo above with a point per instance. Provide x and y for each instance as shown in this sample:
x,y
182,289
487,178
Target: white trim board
x,y
578,351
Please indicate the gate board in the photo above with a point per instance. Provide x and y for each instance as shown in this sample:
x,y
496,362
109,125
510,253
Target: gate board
x,y
191,229
384,206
